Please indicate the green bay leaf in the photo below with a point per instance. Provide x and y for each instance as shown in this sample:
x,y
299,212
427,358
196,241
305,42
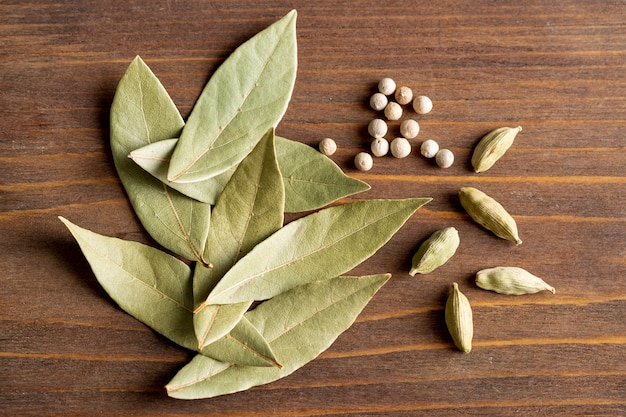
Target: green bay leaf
x,y
143,113
243,345
247,95
248,211
318,246
150,285
312,180
298,324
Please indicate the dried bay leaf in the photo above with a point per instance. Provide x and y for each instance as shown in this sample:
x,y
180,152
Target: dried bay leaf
x,y
150,285
243,345
248,211
318,313
155,288
214,321
312,180
155,159
247,95
319,246
143,113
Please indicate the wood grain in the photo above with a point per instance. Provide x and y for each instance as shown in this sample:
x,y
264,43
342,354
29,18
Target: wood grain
x,y
556,68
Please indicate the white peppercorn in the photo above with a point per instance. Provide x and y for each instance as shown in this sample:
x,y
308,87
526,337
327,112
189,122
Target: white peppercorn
x,y
380,147
409,128
378,101
444,158
328,146
387,86
400,147
422,105
377,128
393,111
363,161
404,95
429,148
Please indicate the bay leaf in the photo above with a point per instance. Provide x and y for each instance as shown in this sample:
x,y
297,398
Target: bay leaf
x,y
318,246
298,324
155,159
150,285
248,211
143,113
243,345
213,322
312,180
247,95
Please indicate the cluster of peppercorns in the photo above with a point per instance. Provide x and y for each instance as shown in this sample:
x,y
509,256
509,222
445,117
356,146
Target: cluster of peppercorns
x,y
400,146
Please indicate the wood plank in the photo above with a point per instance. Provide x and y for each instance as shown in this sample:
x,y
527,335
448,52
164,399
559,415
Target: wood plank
x,y
556,68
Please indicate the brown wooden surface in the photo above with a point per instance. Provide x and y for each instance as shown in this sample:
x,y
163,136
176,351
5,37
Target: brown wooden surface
x,y
556,68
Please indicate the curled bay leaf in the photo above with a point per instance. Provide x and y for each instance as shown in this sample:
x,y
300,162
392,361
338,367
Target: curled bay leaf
x,y
243,345
318,313
319,246
143,113
150,285
248,211
247,95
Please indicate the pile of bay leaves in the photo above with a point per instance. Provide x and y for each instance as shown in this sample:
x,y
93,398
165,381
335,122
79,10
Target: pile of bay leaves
x,y
254,298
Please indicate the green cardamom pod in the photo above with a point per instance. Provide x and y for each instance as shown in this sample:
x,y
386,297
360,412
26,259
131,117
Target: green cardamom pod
x,y
492,147
511,280
435,251
459,319
490,214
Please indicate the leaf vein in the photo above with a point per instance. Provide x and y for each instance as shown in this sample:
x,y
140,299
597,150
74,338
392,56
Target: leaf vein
x,y
185,233
204,377
252,350
143,112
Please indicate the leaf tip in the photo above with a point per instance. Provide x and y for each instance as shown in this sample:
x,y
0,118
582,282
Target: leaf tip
x,y
135,156
173,177
66,222
170,391
201,344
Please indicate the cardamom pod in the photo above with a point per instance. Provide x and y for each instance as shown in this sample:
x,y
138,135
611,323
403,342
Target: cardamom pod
x,y
511,280
459,319
490,214
492,147
435,251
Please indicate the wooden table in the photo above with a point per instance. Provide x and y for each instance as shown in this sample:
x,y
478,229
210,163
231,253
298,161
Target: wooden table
x,y
558,69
